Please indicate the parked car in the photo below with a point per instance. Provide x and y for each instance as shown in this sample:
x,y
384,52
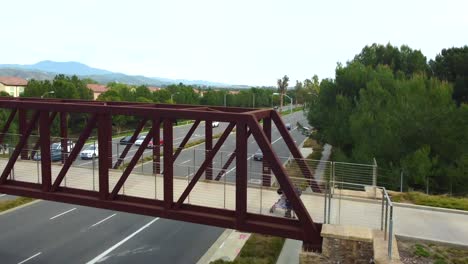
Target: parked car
x,y
55,155
306,131
58,146
258,155
91,151
276,107
125,140
288,126
215,124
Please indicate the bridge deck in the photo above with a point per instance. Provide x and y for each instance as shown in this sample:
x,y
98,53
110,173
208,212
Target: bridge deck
x,y
215,194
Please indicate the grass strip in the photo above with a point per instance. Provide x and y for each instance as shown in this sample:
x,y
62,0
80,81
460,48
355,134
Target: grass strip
x,y
444,201
260,249
8,204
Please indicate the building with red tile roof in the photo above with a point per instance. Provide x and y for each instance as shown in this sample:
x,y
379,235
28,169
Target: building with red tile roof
x,y
14,86
97,89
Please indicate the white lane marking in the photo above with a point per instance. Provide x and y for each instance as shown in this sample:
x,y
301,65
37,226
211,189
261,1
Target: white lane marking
x,y
222,245
66,212
33,256
185,162
276,140
103,220
103,254
1,195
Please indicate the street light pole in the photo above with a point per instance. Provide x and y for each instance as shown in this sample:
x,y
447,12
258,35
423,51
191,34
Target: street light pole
x,y
46,93
291,101
225,99
253,100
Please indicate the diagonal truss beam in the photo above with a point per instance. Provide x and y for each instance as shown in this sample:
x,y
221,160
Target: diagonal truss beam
x,y
19,147
130,143
284,181
205,164
74,153
305,169
38,141
7,124
230,160
186,139
132,164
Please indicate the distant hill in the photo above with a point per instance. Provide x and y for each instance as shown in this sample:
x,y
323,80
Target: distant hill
x,y
46,70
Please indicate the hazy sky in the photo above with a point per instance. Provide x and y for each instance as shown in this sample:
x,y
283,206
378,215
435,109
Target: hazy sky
x,y
238,42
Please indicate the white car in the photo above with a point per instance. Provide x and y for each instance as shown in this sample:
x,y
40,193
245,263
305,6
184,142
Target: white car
x,y
215,124
139,141
91,151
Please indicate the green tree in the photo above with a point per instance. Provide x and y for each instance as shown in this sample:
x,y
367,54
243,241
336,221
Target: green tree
x,y
452,65
282,87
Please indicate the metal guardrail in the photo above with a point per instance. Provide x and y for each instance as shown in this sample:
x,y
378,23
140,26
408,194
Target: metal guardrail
x,y
388,205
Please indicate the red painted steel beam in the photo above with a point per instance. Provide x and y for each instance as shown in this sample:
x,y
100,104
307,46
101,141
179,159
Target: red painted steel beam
x,y
44,130
209,148
22,126
24,139
186,139
105,153
230,160
241,174
168,177
284,181
130,143
204,165
148,112
306,171
266,170
131,165
156,147
74,153
38,141
7,124
64,135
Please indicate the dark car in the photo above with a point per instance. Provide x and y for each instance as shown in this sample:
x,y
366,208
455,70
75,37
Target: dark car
x,y
288,126
125,140
55,155
258,155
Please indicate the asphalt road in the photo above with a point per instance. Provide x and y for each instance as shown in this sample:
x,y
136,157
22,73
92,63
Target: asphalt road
x,y
49,232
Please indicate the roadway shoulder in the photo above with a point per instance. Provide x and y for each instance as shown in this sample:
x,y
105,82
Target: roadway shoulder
x,y
19,207
431,208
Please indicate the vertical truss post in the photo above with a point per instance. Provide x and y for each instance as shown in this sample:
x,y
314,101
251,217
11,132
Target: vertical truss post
x,y
64,135
156,146
22,125
168,164
104,144
241,174
266,169
46,171
209,148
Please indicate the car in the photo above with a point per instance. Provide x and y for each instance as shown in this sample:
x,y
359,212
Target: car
x,y
215,124
151,145
125,140
258,155
288,126
91,151
276,107
58,146
139,140
55,155
306,131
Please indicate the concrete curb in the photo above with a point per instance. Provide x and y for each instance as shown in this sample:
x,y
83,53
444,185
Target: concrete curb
x,y
212,250
19,207
431,208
